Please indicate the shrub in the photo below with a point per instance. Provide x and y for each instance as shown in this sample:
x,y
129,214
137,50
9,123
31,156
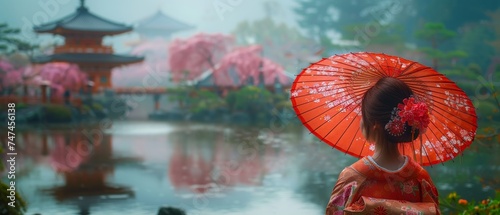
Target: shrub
x,y
85,109
20,204
180,94
97,106
457,205
250,99
58,113
487,111
204,100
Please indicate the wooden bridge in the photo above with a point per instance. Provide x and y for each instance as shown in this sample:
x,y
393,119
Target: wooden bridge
x,y
77,101
138,90
34,100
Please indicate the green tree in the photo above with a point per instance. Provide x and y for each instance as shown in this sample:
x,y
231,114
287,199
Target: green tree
x,y
281,43
202,101
322,19
316,17
494,25
10,41
474,39
435,34
250,99
387,36
453,13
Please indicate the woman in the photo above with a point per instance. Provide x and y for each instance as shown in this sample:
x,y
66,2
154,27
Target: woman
x,y
387,182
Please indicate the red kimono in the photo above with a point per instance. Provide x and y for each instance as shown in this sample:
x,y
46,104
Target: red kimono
x,y
367,188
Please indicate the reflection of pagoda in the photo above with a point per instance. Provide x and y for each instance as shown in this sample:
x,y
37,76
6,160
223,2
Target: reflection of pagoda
x,y
84,32
85,177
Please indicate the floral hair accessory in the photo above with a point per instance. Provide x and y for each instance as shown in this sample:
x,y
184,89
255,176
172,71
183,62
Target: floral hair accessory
x,y
412,112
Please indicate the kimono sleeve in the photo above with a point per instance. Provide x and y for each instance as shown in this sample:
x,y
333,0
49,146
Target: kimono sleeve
x,y
342,192
429,191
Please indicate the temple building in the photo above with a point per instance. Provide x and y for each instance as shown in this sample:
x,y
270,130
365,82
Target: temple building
x,y
160,25
83,32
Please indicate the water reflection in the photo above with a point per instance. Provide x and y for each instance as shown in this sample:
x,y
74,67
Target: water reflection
x,y
219,164
202,169
85,167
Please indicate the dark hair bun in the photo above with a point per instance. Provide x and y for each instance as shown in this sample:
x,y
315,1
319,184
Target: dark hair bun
x,y
409,135
377,106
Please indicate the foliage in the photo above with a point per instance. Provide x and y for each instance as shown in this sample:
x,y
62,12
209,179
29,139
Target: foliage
x,y
494,25
387,35
116,107
435,34
62,77
205,100
456,205
267,32
229,66
196,54
20,204
319,18
281,102
281,43
10,76
180,94
57,113
97,106
461,73
483,94
10,42
250,99
248,64
85,109
473,39
59,76
453,13
316,17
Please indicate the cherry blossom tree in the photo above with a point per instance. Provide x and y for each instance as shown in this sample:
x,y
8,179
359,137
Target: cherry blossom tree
x,y
247,62
190,57
62,77
13,77
6,69
5,65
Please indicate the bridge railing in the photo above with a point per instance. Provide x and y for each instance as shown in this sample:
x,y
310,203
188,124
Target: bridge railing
x,y
138,90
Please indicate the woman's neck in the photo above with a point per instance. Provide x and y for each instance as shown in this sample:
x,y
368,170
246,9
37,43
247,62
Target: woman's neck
x,y
388,156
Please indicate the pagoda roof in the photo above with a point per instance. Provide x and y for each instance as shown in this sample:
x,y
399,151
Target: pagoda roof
x,y
83,20
88,58
159,24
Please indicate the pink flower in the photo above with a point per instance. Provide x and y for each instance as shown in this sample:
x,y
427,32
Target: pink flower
x,y
415,113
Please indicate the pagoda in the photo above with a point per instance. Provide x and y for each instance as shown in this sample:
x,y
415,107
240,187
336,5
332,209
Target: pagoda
x,y
83,32
160,25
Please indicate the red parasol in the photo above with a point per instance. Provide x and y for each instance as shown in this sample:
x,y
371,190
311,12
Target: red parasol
x,y
327,98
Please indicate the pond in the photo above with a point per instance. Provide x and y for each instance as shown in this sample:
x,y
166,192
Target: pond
x,y
135,167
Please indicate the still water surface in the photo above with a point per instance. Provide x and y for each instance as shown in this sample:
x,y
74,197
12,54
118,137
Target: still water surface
x,y
134,167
